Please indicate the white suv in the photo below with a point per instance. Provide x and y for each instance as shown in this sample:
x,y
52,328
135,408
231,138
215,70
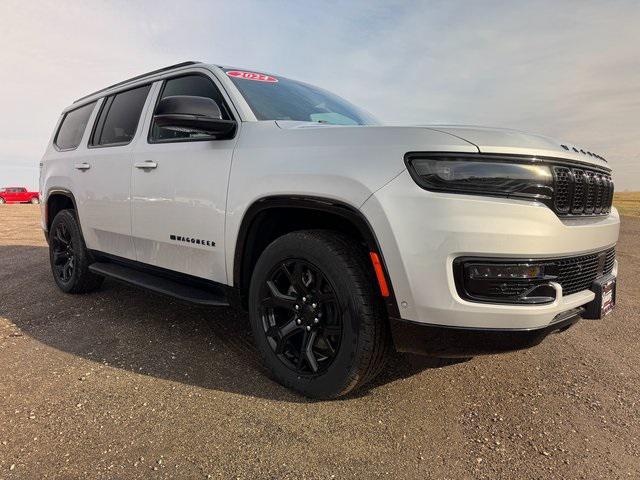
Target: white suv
x,y
342,237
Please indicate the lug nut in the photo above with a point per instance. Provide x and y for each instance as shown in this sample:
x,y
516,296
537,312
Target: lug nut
x,y
308,327
313,305
304,299
297,307
298,321
316,320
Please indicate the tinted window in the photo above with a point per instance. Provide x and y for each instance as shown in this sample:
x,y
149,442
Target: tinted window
x,y
119,117
278,98
192,85
73,126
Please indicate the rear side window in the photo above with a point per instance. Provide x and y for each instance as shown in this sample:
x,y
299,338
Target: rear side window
x,y
72,127
119,117
191,85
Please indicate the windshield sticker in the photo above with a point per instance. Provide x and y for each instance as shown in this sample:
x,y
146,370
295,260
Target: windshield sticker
x,y
257,77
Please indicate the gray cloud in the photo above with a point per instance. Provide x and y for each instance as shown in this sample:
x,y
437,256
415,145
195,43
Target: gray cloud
x,y
569,70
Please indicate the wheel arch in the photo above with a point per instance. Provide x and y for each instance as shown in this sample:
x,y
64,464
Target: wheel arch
x,y
58,199
258,229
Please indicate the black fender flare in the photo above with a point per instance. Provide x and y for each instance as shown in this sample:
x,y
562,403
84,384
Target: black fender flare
x,y
353,215
65,192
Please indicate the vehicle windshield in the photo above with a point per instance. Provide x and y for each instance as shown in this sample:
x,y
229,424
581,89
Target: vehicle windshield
x,y
278,98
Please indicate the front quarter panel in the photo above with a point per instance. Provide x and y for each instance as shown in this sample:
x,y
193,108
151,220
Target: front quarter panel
x,y
421,233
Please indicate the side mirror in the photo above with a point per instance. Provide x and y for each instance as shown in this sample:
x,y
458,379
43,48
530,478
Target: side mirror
x,y
185,113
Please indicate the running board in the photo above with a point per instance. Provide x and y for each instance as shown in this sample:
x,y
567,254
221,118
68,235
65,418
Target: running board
x,y
158,284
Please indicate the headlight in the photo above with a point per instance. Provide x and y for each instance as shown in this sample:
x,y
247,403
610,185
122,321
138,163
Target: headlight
x,y
482,175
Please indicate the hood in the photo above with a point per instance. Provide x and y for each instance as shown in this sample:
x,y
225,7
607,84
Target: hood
x,y
506,141
484,139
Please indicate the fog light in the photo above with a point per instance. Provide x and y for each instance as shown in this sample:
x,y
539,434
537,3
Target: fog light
x,y
496,281
492,271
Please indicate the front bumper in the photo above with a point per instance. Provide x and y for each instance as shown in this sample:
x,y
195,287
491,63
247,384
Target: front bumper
x,y
456,342
421,233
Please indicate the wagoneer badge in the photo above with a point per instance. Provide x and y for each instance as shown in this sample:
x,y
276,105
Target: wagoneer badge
x,y
196,241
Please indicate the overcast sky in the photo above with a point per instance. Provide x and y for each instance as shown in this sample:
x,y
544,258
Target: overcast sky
x,y
569,70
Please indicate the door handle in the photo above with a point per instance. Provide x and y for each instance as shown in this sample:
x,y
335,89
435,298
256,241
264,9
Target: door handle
x,y
146,165
82,166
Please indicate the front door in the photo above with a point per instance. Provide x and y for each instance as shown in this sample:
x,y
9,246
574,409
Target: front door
x,y
10,195
179,189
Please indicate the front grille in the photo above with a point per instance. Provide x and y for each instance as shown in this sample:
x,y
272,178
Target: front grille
x,y
580,191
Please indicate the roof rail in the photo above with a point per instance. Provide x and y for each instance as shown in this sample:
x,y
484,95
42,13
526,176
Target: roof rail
x,y
138,77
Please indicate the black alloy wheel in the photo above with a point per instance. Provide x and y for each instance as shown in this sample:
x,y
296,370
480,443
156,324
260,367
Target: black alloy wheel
x,y
301,317
316,313
64,257
69,256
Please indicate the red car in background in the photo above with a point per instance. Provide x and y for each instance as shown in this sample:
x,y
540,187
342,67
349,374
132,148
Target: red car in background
x,y
18,195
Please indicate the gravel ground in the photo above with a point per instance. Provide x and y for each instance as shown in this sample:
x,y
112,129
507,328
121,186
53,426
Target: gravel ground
x,y
124,384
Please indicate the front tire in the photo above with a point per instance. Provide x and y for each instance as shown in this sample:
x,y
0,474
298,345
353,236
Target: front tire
x,y
316,316
69,256
1,200
35,201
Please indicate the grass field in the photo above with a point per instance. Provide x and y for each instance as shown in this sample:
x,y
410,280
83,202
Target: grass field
x,y
627,203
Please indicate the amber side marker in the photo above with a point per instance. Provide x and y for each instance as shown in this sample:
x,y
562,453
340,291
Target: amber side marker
x,y
377,266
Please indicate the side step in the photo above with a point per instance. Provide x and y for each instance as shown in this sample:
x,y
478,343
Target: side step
x,y
159,284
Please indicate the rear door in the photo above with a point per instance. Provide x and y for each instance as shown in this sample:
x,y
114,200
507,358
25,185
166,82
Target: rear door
x,y
179,202
103,173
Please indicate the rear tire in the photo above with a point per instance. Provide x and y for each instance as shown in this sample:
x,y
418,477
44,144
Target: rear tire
x,y
1,200
69,256
317,318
